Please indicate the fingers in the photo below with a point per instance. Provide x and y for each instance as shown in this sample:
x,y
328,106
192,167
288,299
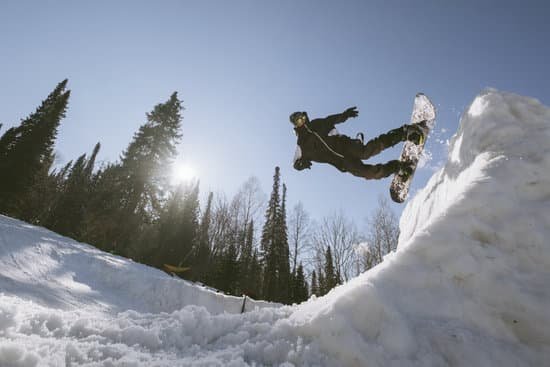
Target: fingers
x,y
352,112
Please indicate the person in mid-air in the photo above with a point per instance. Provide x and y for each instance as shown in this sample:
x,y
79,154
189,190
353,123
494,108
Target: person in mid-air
x,y
319,141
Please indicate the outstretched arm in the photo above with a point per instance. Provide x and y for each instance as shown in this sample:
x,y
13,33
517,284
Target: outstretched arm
x,y
341,117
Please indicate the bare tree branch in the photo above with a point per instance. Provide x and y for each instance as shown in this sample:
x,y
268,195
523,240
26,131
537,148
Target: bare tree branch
x,y
382,234
299,232
342,236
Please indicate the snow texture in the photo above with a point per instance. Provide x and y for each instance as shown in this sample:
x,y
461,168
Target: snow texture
x,y
468,285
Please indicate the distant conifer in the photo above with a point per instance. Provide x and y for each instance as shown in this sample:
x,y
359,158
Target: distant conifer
x,y
314,285
26,151
268,241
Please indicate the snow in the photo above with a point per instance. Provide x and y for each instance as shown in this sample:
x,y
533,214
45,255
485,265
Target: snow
x,y
56,271
468,285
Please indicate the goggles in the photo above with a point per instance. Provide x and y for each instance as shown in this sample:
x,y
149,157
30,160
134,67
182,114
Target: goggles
x,y
299,119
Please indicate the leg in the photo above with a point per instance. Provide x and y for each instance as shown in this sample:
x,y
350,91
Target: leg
x,y
384,141
413,132
371,171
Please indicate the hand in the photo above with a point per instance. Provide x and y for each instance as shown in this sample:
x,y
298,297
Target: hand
x,y
351,112
301,164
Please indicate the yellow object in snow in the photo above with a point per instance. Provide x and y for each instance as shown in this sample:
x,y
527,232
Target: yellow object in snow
x,y
175,269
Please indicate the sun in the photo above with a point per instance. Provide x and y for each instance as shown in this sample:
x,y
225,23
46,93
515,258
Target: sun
x,y
182,173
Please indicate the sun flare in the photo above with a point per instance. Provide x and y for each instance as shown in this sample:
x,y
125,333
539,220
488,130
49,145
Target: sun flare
x,y
183,173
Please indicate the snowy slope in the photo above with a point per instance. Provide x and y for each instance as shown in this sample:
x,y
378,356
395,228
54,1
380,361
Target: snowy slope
x,y
468,286
49,269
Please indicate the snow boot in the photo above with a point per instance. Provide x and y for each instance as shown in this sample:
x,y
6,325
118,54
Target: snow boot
x,y
416,133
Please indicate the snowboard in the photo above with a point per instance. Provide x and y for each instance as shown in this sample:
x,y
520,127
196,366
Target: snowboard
x,y
423,110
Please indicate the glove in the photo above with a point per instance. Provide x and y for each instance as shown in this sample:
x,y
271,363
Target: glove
x,y
351,112
301,164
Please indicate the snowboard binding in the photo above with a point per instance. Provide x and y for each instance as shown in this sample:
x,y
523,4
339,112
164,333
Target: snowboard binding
x,y
417,132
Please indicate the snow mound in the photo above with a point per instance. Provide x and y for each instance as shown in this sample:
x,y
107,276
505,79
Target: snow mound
x,y
468,285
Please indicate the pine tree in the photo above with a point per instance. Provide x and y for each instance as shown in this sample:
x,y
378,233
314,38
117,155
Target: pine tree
x,y
256,276
314,286
90,164
274,245
200,268
331,278
300,286
167,251
8,141
178,228
100,224
69,209
35,204
143,171
189,226
268,241
322,288
26,151
230,270
84,195
245,261
283,254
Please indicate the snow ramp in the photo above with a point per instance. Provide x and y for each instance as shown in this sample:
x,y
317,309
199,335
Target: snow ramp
x,y
468,286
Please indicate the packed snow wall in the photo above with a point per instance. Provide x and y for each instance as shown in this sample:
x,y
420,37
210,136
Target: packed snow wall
x,y
469,283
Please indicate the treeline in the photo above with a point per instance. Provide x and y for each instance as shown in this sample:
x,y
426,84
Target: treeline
x,y
130,208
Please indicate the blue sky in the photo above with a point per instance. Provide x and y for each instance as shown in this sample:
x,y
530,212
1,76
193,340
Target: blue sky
x,y
241,67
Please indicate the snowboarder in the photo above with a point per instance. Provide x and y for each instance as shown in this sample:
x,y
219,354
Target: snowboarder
x,y
319,141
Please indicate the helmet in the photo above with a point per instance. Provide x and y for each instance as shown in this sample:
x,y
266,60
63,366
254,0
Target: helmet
x,y
299,118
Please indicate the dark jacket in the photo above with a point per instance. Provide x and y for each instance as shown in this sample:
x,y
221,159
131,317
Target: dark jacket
x,y
315,144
